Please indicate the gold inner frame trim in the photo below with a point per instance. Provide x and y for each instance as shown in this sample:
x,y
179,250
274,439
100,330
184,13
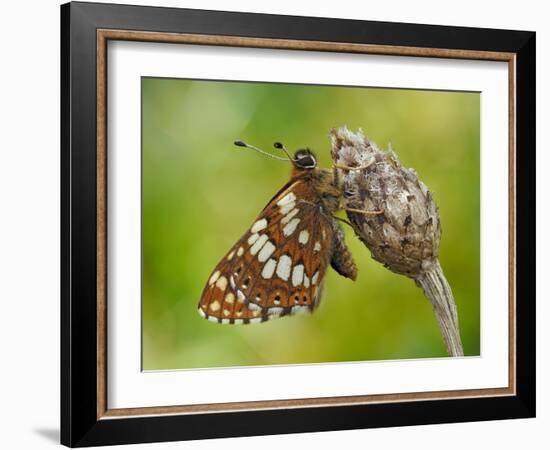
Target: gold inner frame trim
x,y
103,36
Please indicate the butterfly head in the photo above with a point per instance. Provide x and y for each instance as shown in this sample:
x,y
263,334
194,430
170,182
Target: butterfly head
x,y
304,158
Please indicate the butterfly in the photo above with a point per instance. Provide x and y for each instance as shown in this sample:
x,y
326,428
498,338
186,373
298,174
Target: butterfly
x,y
278,266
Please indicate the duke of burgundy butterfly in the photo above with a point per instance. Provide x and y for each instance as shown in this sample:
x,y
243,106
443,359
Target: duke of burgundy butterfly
x,y
277,267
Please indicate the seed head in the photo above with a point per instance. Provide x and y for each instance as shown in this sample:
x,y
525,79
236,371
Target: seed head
x,y
405,235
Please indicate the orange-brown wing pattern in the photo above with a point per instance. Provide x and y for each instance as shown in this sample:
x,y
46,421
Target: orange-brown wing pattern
x,y
278,265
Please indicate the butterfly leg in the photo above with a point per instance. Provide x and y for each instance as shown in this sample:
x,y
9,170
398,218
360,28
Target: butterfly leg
x,y
336,173
327,216
345,207
363,211
341,258
346,167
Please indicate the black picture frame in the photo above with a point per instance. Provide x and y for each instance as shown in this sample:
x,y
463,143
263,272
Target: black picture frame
x,y
80,424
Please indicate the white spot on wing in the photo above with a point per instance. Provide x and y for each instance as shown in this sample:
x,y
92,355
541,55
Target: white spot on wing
x,y
202,313
229,298
240,296
269,268
288,198
283,268
259,226
254,307
314,278
299,309
256,320
287,203
230,256
306,280
317,247
258,244
221,283
238,321
276,310
266,252
253,238
232,282
315,292
303,237
214,306
240,251
214,277
297,274
286,208
289,216
291,227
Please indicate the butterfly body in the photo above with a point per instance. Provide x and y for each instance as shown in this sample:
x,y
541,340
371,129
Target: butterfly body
x,y
278,266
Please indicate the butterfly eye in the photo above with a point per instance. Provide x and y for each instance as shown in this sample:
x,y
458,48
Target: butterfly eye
x,y
305,159
308,161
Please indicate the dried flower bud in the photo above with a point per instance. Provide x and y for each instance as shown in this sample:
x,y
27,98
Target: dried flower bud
x,y
405,235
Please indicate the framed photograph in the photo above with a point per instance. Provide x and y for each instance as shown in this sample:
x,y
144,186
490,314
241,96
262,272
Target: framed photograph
x,y
277,224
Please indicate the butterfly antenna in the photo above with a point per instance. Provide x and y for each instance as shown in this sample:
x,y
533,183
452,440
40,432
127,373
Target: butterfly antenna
x,y
263,152
283,148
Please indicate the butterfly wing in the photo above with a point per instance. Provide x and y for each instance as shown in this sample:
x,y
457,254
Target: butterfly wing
x,y
278,265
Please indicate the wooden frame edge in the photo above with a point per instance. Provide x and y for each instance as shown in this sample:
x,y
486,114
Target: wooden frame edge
x,y
103,35
101,225
289,44
512,199
302,403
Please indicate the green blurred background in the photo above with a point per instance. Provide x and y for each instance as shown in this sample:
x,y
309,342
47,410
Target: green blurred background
x,y
200,193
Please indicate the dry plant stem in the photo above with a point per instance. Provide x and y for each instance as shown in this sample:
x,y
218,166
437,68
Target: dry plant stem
x,y
405,233
437,290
